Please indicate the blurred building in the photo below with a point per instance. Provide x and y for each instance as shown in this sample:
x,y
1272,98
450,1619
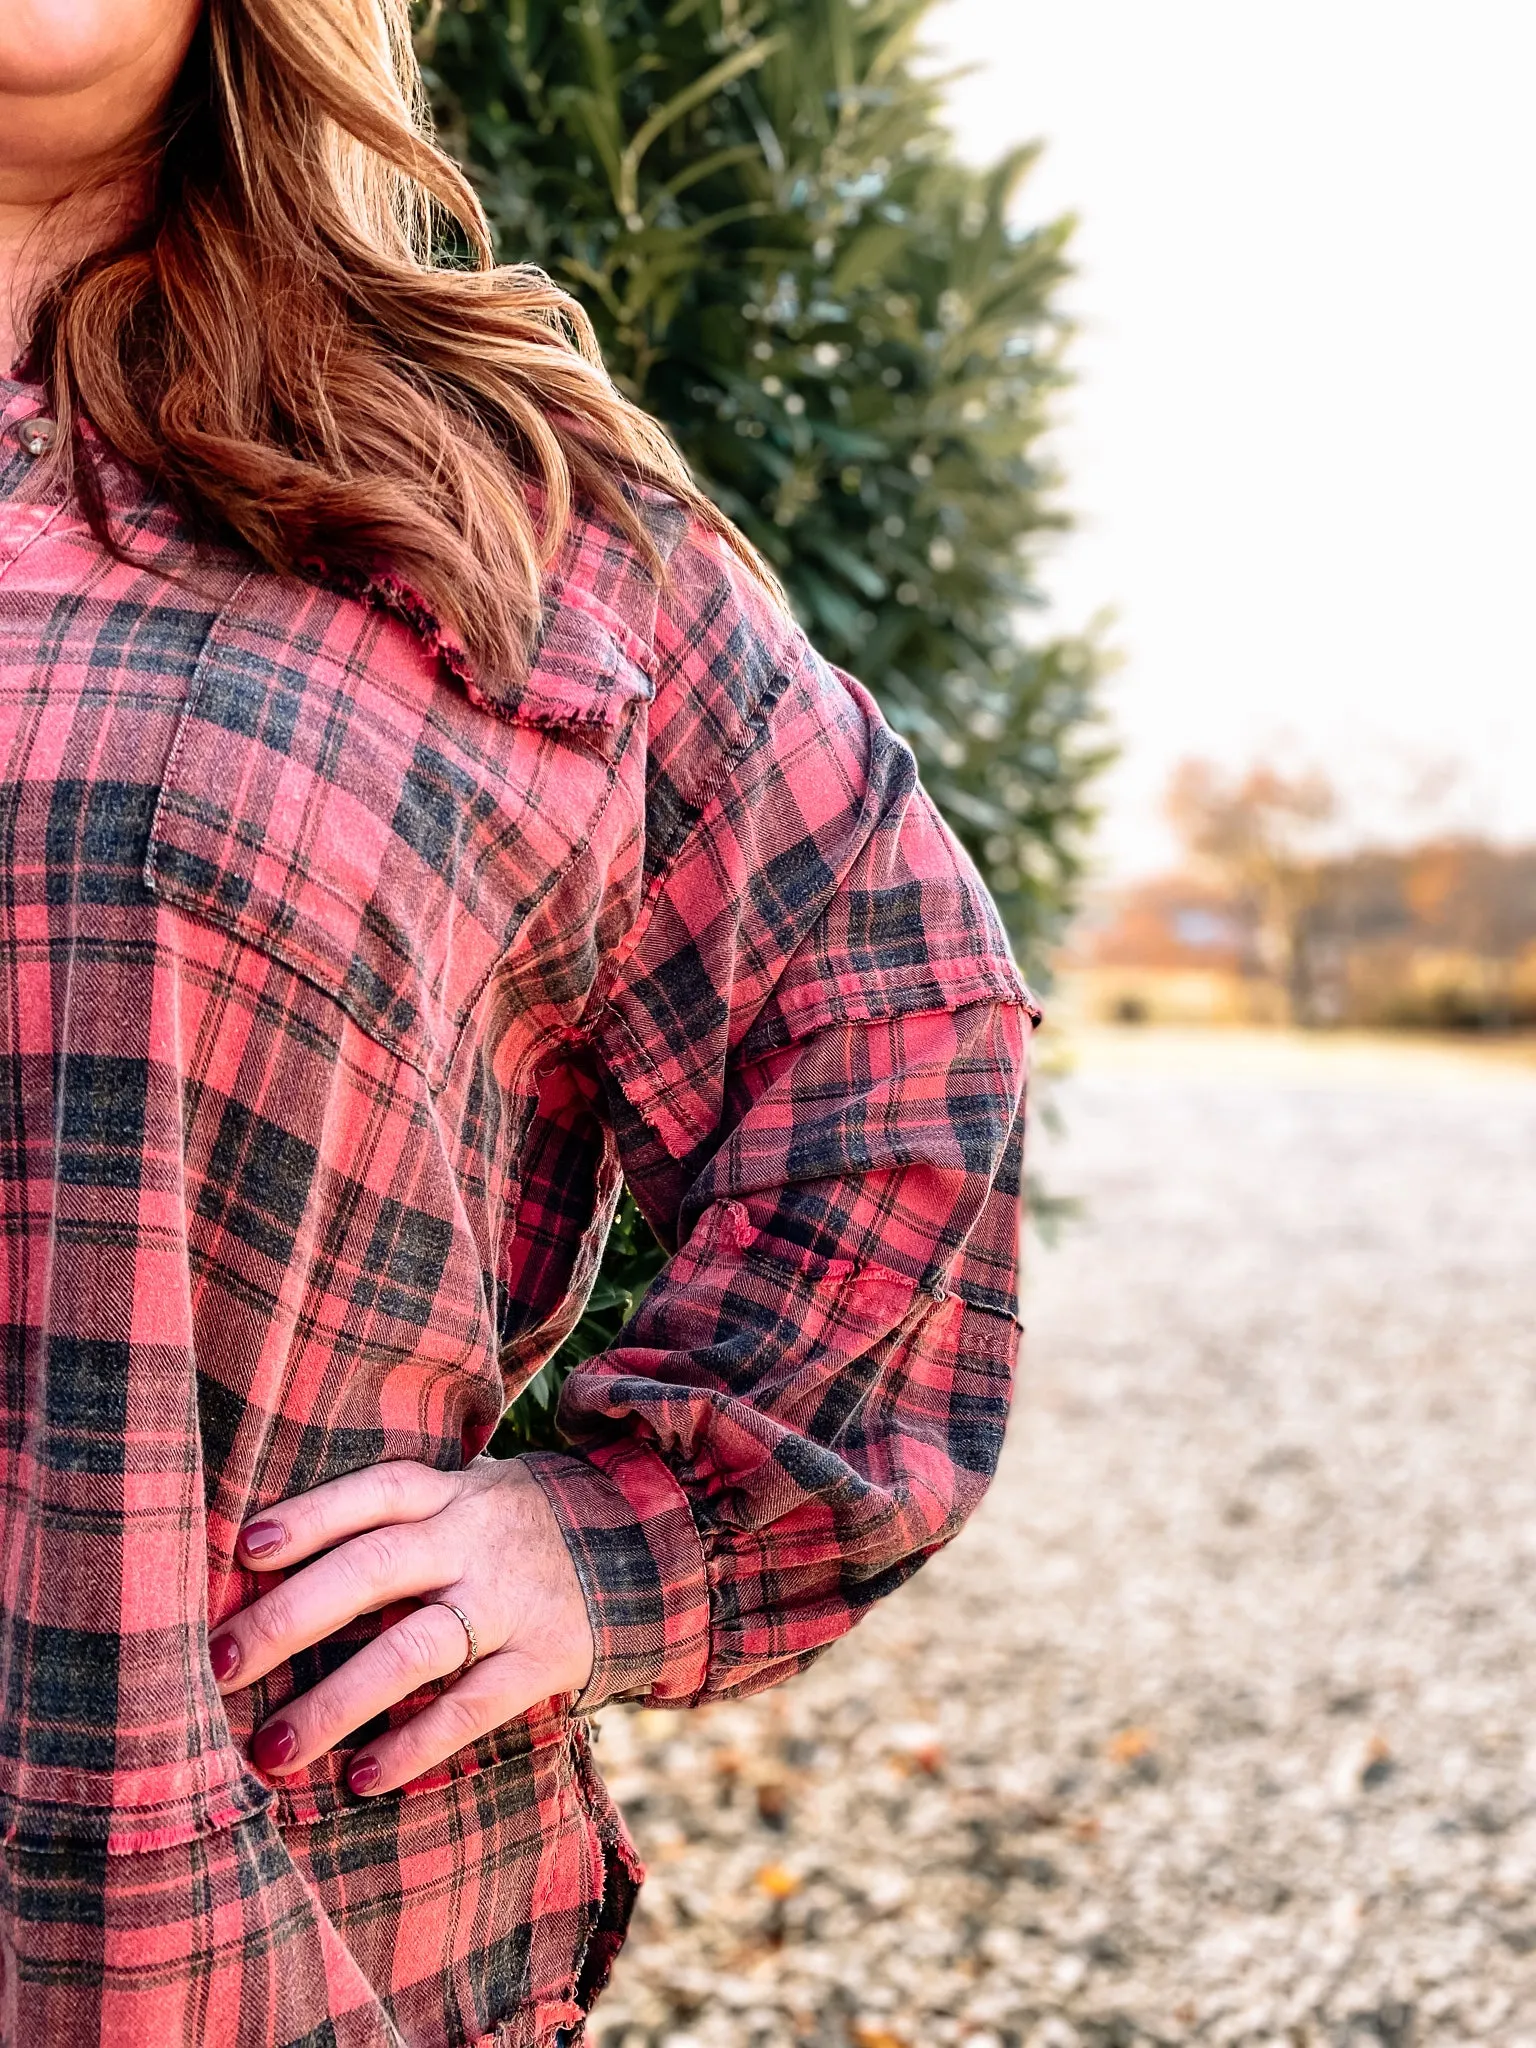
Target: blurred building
x,y
1441,936
1169,951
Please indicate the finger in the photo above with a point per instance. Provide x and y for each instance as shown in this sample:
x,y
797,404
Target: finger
x,y
358,1577
495,1690
425,1645
368,1499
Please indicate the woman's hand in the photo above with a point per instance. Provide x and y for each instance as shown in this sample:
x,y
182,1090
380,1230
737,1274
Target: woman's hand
x,y
485,1539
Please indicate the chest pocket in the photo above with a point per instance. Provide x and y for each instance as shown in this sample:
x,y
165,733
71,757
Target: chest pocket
x,y
335,800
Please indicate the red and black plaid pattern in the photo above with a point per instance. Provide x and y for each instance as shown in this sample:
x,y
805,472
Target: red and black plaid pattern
x,y
338,986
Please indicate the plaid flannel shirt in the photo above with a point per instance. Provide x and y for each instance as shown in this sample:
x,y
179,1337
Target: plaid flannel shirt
x,y
339,988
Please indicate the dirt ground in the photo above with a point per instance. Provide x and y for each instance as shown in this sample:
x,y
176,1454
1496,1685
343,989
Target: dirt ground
x,y
1219,1722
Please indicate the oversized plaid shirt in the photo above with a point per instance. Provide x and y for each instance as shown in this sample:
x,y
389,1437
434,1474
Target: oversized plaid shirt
x,y
337,989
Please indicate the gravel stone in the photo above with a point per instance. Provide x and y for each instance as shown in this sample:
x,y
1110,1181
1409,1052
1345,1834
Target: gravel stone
x,y
1219,1722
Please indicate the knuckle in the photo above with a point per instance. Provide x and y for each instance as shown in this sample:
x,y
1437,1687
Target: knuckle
x,y
394,1485
412,1646
269,1624
321,1718
369,1560
459,1718
411,1491
298,1519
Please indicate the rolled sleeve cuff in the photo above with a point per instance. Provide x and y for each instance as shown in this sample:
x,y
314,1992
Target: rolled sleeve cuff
x,y
638,1556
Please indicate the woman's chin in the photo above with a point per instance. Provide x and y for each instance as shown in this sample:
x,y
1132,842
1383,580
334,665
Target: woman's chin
x,y
63,49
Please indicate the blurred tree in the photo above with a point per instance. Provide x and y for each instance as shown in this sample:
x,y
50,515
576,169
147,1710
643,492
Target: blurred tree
x,y
1256,836
1442,934
758,203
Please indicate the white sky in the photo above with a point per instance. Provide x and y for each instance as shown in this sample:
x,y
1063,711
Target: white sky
x,y
1302,450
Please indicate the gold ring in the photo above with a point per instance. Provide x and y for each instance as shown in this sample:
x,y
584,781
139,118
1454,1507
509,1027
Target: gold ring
x,y
469,1631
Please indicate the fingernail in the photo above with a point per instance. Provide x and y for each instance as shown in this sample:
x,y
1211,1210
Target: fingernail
x,y
363,1773
224,1656
261,1539
273,1745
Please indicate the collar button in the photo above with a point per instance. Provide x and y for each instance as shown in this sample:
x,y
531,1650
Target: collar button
x,y
37,436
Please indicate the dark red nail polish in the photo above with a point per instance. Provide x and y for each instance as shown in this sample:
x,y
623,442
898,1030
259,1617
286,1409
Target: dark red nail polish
x,y
363,1773
224,1656
261,1539
273,1745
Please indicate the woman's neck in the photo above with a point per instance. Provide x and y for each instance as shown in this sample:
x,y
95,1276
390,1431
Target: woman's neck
x,y
41,236
83,86
18,227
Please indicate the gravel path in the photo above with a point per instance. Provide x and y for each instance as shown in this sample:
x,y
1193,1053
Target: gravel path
x,y
1219,1722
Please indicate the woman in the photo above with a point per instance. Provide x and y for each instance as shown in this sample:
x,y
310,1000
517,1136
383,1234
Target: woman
x,y
418,808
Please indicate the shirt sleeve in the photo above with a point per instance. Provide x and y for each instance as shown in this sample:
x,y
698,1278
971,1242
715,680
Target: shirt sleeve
x,y
813,1045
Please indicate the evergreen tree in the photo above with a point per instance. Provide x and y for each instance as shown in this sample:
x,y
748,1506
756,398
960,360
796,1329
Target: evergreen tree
x,y
758,203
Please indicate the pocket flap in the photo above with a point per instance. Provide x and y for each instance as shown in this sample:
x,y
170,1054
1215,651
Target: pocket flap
x,y
331,802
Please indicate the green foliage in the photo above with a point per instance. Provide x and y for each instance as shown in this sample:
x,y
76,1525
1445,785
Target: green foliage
x,y
631,1261
855,347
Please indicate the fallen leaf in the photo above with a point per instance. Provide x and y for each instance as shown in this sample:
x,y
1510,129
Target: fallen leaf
x,y
777,1882
870,2034
1037,1813
773,1804
1130,1744
928,1758
1378,1763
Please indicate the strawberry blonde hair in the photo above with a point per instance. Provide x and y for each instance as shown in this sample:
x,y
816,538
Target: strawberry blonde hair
x,y
277,345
